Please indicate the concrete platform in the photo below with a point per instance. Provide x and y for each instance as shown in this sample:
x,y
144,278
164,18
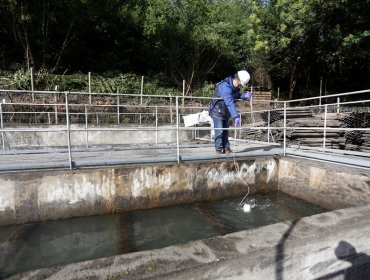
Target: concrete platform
x,y
95,157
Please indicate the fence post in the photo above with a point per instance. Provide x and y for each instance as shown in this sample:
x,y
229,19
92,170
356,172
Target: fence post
x,y
68,133
284,128
141,90
268,126
56,108
90,88
86,123
177,129
320,93
156,125
183,93
2,126
32,87
325,118
118,121
171,117
338,105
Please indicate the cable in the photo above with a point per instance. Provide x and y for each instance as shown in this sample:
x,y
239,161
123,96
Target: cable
x,y
240,177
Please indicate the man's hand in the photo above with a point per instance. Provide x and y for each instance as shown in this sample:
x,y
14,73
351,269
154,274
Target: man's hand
x,y
246,95
237,122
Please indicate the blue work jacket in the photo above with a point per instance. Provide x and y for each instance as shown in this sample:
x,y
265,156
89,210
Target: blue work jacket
x,y
225,107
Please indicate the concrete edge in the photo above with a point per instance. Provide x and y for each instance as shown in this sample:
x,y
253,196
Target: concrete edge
x,y
300,249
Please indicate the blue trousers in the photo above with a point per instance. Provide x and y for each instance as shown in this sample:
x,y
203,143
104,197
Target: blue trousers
x,y
221,136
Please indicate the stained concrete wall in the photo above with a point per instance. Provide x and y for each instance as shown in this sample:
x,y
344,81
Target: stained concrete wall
x,y
328,185
50,139
332,245
38,196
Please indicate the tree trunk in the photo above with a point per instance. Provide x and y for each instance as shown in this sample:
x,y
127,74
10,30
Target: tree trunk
x,y
293,79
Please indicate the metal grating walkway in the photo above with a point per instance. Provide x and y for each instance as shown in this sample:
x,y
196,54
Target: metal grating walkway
x,y
22,160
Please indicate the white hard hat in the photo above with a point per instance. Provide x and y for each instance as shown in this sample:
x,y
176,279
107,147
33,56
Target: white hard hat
x,y
244,77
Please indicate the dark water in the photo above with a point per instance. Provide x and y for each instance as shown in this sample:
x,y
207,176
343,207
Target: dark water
x,y
32,246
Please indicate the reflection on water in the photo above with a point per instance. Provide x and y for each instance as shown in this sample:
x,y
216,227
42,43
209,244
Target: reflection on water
x,y
52,243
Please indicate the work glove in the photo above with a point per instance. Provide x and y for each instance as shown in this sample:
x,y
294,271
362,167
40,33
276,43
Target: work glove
x,y
237,122
246,95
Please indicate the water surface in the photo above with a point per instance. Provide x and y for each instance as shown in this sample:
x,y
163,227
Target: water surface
x,y
52,243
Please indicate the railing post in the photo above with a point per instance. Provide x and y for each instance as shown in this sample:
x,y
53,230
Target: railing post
x,y
118,120
56,108
338,105
141,90
183,93
156,125
320,93
68,133
32,87
268,125
2,126
284,128
177,129
90,88
171,117
325,118
86,124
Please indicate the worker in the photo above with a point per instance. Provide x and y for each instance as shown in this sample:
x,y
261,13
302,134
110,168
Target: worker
x,y
223,106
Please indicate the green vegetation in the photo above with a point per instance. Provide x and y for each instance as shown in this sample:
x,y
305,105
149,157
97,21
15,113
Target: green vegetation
x,y
285,44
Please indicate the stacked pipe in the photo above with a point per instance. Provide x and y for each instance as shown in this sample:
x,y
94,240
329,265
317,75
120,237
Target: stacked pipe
x,y
356,140
274,116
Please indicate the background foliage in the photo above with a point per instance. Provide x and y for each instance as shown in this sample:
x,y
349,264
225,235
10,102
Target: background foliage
x,y
283,43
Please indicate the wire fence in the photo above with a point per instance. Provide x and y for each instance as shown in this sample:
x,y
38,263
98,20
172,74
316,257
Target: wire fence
x,y
93,119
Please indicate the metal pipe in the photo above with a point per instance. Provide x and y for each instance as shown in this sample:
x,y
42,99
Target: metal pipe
x,y
325,118
118,119
177,130
285,128
86,127
171,117
68,133
156,126
192,97
32,87
268,126
56,109
89,74
338,105
142,90
2,126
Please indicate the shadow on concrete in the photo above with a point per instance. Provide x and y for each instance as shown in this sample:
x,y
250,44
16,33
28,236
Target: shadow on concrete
x,y
360,268
264,148
279,258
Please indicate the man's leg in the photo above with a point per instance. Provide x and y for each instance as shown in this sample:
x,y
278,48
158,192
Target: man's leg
x,y
217,123
225,136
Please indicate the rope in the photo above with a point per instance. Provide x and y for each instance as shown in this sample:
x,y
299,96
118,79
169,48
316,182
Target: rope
x,y
235,163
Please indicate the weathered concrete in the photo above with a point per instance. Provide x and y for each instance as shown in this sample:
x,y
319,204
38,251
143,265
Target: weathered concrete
x,y
38,196
328,185
333,245
57,138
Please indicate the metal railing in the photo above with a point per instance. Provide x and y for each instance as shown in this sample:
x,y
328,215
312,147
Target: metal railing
x,y
125,116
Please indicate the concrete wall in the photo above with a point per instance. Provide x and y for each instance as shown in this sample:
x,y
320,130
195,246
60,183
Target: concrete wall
x,y
78,138
332,245
328,185
38,196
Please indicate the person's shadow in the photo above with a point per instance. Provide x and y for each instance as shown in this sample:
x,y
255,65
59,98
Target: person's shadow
x,y
360,269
